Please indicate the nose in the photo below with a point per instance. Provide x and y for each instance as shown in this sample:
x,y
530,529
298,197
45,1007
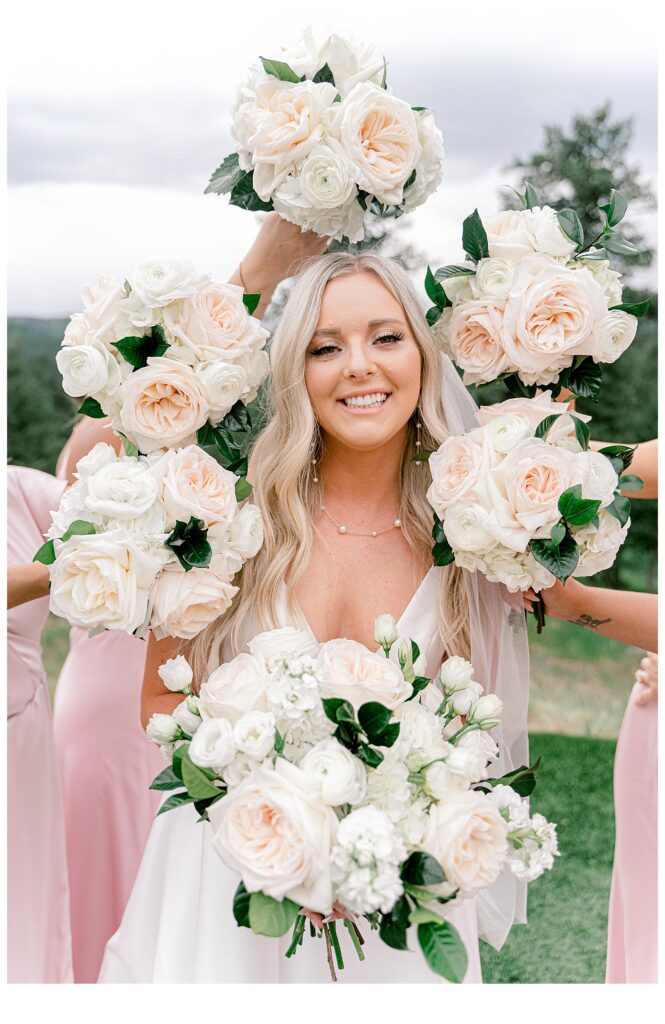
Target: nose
x,y
359,362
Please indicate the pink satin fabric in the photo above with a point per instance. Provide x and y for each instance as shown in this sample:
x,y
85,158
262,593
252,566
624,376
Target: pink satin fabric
x,y
632,947
38,933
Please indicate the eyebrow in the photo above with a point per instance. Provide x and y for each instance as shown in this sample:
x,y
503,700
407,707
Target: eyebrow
x,y
371,323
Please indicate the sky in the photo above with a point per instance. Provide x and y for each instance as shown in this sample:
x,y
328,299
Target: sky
x,y
117,115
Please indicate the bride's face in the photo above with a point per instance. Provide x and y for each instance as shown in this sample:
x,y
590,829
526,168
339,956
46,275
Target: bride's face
x,y
362,367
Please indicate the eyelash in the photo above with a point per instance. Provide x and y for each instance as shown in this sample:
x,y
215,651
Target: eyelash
x,y
326,349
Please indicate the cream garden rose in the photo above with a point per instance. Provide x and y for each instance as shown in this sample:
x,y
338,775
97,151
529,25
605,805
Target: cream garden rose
x,y
468,837
234,689
455,470
184,603
163,405
359,675
475,338
194,484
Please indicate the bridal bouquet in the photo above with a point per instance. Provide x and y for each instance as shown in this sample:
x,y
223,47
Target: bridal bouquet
x,y
171,357
535,304
523,500
320,139
149,542
342,783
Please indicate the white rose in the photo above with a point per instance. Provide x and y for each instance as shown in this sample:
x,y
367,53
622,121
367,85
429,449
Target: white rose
x,y
599,545
123,489
88,369
293,204
468,836
213,745
245,535
176,674
455,673
254,733
547,234
223,384
455,470
475,337
340,776
277,835
441,781
215,324
194,484
493,278
101,455
101,303
163,405
518,571
608,280
162,729
385,630
462,700
613,335
379,135
360,676
102,581
507,432
509,235
597,476
184,603
273,646
487,708
156,283
429,168
534,410
234,689
465,526
350,62
533,477
188,721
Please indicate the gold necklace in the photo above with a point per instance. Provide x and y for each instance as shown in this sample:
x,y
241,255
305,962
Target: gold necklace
x,y
343,528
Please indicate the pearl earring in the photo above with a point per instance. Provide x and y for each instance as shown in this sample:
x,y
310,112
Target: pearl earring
x,y
315,478
418,442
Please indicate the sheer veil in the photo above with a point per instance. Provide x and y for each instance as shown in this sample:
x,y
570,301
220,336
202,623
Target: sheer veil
x,y
500,655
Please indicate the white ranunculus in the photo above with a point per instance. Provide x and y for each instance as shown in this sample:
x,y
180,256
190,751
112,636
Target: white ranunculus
x,y
346,219
455,469
188,721
465,526
234,689
608,280
325,177
509,235
385,630
613,335
122,489
493,278
455,673
597,476
88,369
379,135
194,484
162,729
599,545
487,708
215,324
507,432
213,745
429,168
245,534
277,835
468,836
163,405
223,384
341,777
156,283
254,733
359,676
273,646
183,603
534,410
176,674
102,581
547,234
475,337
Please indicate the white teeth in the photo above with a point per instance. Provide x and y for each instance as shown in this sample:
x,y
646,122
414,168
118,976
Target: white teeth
x,y
366,400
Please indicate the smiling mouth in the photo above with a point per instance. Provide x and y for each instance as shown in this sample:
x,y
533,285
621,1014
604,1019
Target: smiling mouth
x,y
365,403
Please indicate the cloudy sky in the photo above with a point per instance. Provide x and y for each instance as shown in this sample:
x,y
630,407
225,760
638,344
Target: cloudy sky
x,y
118,113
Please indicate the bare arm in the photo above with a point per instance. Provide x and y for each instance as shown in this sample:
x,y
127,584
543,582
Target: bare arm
x,y
623,615
155,698
644,465
279,251
85,435
26,583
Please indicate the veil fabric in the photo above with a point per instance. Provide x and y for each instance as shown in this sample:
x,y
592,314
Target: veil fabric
x,y
500,656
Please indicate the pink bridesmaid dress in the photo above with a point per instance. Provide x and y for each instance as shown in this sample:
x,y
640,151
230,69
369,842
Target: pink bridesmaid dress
x,y
632,947
106,766
38,932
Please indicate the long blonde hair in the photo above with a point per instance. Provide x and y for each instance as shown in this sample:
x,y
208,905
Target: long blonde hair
x,y
280,468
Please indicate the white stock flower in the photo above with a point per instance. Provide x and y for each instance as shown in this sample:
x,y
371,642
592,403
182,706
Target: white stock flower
x,y
340,776
122,489
188,721
293,688
388,787
245,534
359,676
213,745
183,603
254,733
277,835
468,837
613,335
275,645
365,861
162,729
234,689
158,282
176,674
163,405
429,168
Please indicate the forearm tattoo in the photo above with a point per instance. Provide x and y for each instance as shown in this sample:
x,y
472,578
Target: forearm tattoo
x,y
589,621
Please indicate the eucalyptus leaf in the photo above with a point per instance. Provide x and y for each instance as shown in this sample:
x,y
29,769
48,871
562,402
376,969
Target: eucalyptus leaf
x,y
443,950
616,243
530,196
615,209
560,559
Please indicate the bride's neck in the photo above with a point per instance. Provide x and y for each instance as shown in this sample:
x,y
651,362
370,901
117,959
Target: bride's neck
x,y
350,476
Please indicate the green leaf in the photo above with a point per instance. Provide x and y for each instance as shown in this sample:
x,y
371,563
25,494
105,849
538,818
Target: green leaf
x,y
374,718
522,779
92,408
571,225
443,950
582,432
424,915
419,110
128,447
543,428
620,508
324,74
137,351
630,482
196,782
442,553
595,254
372,758
389,735
339,710
422,456
238,418
244,196
474,238
435,291
177,800
422,869
279,742
585,380
637,309
225,177
418,684
558,533
560,559
45,554
189,543
433,314
517,388
453,270
576,510
241,906
166,780
384,77
410,180
394,925
278,69
243,489
271,917
79,528
251,301
616,243
619,452
530,197
615,209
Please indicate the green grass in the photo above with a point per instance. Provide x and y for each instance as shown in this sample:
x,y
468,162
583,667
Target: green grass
x,y
567,908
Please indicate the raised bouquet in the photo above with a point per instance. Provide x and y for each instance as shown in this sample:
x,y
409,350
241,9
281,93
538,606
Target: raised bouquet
x,y
343,784
535,304
320,139
522,500
149,542
170,356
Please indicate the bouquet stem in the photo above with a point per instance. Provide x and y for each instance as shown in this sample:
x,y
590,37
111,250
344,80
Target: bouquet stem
x,y
336,946
326,933
356,937
539,612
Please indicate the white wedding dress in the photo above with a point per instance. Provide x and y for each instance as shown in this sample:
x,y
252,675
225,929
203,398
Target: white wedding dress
x,y
178,925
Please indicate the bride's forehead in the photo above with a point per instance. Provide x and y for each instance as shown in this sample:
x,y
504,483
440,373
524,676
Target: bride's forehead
x,y
357,298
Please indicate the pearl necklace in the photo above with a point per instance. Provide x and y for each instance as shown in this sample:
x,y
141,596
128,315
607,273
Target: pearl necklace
x,y
343,528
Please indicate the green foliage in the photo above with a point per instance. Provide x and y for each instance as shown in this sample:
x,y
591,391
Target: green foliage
x,y
189,542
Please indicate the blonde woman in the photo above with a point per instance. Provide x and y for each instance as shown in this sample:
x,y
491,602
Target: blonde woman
x,y
357,387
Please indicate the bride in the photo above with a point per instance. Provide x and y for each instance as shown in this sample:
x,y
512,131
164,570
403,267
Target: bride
x,y
358,388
